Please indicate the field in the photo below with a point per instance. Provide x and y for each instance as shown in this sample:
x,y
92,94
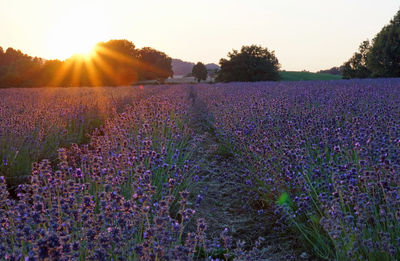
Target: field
x,y
307,76
238,171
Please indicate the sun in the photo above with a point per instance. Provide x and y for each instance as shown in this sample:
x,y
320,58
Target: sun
x,y
77,31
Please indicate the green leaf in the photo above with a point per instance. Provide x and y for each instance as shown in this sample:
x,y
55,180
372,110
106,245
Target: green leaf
x,y
283,198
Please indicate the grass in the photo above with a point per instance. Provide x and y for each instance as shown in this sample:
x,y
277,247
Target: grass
x,y
307,76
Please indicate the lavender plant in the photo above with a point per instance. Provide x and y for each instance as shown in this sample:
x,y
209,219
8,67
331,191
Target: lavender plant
x,y
325,154
111,198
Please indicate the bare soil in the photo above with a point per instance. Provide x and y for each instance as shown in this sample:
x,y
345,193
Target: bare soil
x,y
228,202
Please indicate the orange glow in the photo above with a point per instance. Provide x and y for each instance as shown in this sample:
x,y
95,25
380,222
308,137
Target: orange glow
x,y
101,66
92,66
77,30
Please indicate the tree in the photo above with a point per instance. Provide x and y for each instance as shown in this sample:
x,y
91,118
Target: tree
x,y
122,58
123,49
381,58
115,62
252,63
154,65
356,67
384,56
334,70
199,71
18,69
48,73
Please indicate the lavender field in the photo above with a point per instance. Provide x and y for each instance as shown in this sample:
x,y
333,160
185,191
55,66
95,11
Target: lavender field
x,y
236,171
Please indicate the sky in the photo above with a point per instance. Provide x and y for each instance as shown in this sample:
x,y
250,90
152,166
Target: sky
x,y
305,35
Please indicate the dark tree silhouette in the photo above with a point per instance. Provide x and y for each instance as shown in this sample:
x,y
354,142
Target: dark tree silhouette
x,y
121,57
18,69
252,63
115,62
334,70
384,54
48,73
154,65
356,67
381,58
199,71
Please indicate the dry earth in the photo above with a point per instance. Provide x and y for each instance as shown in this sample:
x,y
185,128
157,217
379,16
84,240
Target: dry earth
x,y
227,201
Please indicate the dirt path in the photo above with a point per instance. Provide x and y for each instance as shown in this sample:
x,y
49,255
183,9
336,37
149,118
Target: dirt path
x,y
227,201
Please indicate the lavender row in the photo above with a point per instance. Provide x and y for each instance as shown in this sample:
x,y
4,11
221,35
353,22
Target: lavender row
x,y
325,154
120,197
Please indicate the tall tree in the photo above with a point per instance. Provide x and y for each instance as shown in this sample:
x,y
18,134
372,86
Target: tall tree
x,y
252,63
356,66
115,62
154,65
381,58
122,58
199,71
18,69
384,56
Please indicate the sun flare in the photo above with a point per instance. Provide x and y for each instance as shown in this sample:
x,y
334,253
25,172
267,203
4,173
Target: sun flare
x,y
77,32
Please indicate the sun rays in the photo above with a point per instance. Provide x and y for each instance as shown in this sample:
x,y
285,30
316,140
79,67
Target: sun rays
x,y
91,68
115,62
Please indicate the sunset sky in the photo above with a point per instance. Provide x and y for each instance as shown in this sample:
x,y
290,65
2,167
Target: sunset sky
x,y
309,34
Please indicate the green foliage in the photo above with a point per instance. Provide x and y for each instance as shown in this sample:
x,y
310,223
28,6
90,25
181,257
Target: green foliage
x,y
384,55
252,63
381,58
307,76
199,71
356,67
283,198
224,150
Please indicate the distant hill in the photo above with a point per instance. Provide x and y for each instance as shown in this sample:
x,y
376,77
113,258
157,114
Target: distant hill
x,y
307,76
184,68
212,66
181,67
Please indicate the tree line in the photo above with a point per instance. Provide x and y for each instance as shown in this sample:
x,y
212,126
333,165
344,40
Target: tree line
x,y
116,62
378,58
